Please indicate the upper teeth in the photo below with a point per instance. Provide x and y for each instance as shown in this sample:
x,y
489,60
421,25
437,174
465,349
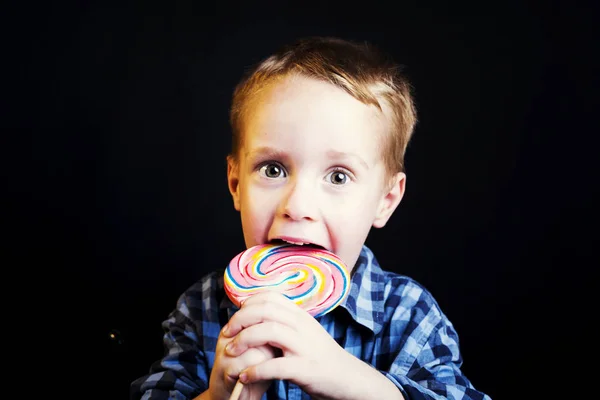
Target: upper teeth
x,y
296,243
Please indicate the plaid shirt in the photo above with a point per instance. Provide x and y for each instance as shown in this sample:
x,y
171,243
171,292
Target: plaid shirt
x,y
387,320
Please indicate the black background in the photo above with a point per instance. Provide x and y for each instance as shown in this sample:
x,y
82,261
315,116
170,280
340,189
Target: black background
x,y
118,201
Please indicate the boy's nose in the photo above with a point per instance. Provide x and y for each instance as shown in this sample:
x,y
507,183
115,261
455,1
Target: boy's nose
x,y
300,202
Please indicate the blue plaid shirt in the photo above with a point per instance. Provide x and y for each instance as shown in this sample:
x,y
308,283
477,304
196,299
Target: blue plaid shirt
x,y
387,320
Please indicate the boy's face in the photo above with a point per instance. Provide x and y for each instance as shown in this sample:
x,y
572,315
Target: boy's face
x,y
311,170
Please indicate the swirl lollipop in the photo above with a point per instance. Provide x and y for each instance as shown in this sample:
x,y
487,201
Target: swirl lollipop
x,y
315,279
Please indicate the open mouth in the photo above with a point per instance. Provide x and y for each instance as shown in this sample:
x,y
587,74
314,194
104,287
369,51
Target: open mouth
x,y
304,244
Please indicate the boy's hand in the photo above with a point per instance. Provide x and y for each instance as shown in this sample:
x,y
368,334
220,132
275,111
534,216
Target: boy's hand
x,y
226,369
312,359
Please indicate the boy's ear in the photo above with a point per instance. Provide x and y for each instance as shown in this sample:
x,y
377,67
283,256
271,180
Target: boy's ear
x,y
390,200
233,181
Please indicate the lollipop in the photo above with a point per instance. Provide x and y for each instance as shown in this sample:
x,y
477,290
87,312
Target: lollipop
x,y
313,278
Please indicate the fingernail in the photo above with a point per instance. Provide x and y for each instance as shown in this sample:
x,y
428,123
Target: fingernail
x,y
243,377
225,330
229,348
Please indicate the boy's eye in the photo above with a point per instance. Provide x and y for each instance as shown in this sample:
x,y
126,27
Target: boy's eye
x,y
338,177
272,171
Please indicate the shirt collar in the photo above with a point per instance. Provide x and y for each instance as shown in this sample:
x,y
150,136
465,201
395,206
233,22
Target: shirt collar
x,y
365,302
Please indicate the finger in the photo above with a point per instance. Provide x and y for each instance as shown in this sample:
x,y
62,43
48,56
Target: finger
x,y
255,313
299,370
271,296
222,340
267,333
234,365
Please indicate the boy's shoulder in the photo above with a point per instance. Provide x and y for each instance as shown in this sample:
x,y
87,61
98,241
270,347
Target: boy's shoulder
x,y
385,301
402,293
208,288
405,291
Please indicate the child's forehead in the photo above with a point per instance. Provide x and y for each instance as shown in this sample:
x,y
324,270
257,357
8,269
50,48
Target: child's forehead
x,y
302,102
310,115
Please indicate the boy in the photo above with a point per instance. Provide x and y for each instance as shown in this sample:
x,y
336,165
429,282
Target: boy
x,y
319,135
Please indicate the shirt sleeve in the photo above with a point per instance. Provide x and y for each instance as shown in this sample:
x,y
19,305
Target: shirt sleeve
x,y
182,373
435,372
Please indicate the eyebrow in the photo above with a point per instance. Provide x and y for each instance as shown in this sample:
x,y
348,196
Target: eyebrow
x,y
270,152
339,155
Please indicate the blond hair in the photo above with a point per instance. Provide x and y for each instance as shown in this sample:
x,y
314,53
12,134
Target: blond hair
x,y
357,68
